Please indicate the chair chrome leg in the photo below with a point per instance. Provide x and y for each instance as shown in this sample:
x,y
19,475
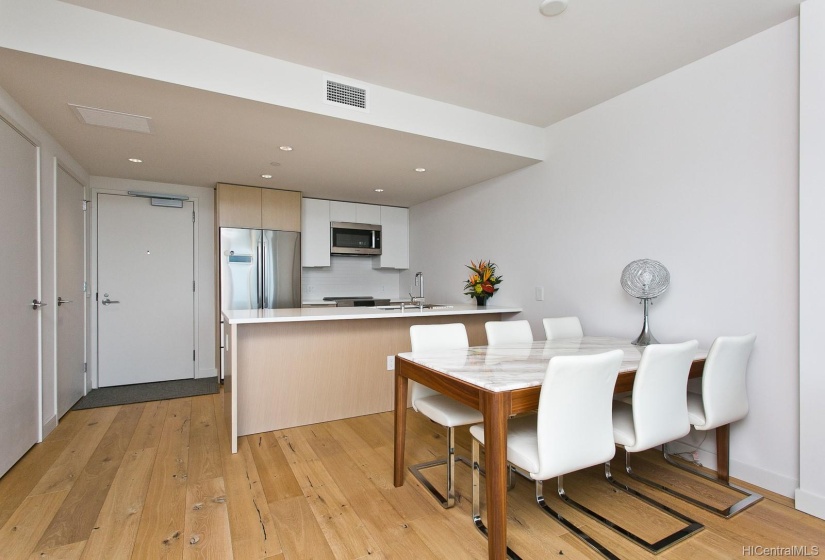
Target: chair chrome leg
x,y
477,498
449,501
663,543
591,542
727,512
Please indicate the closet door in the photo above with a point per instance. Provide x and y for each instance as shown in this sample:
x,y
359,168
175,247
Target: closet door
x,y
20,281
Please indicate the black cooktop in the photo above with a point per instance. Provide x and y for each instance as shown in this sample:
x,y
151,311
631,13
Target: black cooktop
x,y
357,301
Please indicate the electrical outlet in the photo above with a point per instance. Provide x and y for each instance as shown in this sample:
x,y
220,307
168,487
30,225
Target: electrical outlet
x,y
390,363
539,293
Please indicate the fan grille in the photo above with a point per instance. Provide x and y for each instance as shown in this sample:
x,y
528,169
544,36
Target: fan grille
x,y
645,278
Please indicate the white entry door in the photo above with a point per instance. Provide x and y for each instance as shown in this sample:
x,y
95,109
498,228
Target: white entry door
x,y
19,285
145,291
71,302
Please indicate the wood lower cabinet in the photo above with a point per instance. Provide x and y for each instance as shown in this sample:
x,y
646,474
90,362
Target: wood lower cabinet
x,y
256,208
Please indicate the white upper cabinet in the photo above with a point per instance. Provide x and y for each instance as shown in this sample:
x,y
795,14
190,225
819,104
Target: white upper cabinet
x,y
395,238
341,211
354,213
315,219
316,216
368,214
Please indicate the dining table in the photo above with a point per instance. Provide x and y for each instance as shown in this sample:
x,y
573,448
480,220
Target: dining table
x,y
502,381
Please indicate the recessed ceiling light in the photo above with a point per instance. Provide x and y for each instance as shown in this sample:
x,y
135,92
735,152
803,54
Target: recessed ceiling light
x,y
552,8
420,169
274,164
379,190
266,176
135,160
286,148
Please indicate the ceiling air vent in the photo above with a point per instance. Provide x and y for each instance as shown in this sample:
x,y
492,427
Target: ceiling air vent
x,y
338,93
112,119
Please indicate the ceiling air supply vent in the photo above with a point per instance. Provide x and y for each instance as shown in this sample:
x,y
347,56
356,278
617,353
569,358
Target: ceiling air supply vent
x,y
112,119
353,97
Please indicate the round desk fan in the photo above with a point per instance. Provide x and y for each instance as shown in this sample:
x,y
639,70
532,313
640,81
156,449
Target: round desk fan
x,y
645,279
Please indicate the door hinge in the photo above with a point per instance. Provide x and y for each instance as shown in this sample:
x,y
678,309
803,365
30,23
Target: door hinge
x,y
193,355
95,296
85,367
85,205
193,216
85,287
193,285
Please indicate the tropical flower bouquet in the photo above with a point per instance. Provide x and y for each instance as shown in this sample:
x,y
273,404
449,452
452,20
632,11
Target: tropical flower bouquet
x,y
482,281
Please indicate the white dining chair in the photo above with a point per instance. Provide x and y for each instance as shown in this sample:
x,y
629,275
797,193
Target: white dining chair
x,y
508,332
724,400
440,408
656,415
556,328
571,431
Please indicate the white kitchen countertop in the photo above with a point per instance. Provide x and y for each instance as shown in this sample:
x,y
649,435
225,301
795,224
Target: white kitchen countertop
x,y
341,313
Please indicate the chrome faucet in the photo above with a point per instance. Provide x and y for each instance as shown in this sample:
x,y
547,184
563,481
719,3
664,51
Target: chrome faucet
x,y
419,281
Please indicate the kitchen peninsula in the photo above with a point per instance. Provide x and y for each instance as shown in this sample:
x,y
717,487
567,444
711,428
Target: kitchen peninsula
x,y
292,367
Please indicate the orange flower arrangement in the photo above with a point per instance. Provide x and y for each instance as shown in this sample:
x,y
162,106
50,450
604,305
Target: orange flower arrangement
x,y
483,280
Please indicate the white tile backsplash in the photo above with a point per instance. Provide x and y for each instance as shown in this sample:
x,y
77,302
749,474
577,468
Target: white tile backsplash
x,y
349,276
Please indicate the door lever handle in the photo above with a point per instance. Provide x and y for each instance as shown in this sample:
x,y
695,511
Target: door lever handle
x,y
108,301
61,301
37,304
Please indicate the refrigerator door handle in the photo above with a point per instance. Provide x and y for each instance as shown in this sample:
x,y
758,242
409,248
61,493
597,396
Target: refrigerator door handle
x,y
264,304
260,278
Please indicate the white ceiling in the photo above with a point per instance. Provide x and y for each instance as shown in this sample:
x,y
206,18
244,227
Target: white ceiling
x,y
201,138
499,57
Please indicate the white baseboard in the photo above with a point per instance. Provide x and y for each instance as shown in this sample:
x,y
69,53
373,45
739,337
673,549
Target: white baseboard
x,y
49,426
775,482
810,503
208,372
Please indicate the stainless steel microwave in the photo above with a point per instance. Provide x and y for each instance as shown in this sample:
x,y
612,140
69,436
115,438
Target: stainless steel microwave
x,y
355,239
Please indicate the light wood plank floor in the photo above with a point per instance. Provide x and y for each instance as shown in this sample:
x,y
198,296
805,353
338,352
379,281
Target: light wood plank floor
x,y
156,480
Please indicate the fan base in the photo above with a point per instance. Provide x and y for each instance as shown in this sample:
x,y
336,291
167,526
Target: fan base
x,y
645,339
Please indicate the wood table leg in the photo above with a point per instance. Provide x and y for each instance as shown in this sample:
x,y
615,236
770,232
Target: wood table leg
x,y
723,452
495,408
401,384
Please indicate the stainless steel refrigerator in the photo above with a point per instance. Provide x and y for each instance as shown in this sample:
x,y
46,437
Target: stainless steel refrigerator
x,y
260,269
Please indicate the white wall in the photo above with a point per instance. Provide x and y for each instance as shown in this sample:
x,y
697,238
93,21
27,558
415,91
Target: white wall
x,y
697,169
810,497
51,153
204,200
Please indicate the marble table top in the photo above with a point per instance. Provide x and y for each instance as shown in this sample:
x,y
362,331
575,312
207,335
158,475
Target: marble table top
x,y
518,366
